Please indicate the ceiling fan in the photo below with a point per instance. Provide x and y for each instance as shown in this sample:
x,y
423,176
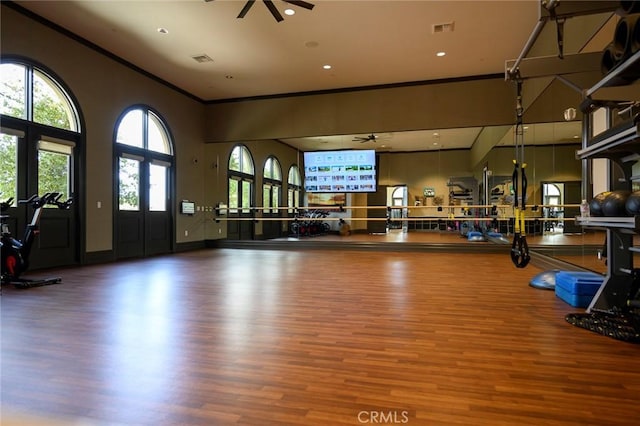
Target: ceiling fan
x,y
362,139
272,8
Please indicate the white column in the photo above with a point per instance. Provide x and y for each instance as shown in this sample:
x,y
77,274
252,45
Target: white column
x,y
600,167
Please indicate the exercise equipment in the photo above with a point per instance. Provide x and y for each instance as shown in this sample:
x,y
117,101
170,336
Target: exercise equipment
x,y
497,238
310,223
577,288
475,236
345,228
623,326
545,280
625,43
614,204
519,248
15,253
633,203
595,205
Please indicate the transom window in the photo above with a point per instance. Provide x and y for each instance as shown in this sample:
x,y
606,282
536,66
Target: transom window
x,y
294,176
272,169
31,94
240,160
144,129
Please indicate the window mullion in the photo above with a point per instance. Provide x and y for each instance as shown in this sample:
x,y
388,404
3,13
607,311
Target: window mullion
x,y
29,92
145,129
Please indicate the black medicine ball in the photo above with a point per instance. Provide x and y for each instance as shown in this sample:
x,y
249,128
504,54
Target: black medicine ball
x,y
615,203
595,205
633,203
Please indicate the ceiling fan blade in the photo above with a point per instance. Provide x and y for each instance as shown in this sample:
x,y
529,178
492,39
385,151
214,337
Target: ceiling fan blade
x,y
300,3
246,8
273,10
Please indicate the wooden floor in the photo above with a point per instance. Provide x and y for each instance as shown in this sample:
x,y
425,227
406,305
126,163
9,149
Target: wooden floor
x,y
583,256
312,337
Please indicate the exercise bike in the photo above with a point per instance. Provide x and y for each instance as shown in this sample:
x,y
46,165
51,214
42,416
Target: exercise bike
x,y
15,253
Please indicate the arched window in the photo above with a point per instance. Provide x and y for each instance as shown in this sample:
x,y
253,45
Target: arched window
x,y
294,184
31,94
271,185
397,196
241,161
143,129
40,145
551,195
241,175
144,166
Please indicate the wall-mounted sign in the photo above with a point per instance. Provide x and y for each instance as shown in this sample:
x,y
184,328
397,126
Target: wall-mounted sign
x,y
187,207
429,191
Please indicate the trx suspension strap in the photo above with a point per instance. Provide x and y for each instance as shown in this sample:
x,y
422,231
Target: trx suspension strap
x,y
519,248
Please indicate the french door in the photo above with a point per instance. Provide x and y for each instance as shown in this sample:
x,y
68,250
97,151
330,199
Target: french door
x,y
144,220
37,160
240,208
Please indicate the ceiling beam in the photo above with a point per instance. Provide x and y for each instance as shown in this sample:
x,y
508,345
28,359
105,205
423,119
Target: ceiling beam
x,y
548,66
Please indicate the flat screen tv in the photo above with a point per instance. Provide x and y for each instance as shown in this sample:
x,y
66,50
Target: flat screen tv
x,y
340,171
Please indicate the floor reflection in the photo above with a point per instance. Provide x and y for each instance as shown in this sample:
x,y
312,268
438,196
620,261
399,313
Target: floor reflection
x,y
583,247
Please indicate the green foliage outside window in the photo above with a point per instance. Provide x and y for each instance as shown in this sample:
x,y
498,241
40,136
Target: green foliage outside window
x,y
53,173
129,196
49,108
8,167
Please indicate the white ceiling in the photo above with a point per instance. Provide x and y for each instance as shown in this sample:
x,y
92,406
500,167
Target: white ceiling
x,y
366,42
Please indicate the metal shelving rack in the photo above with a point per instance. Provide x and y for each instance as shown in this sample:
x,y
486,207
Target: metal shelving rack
x,y
620,144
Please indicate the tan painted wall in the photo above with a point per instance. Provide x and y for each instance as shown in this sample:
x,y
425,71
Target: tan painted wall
x,y
103,89
431,106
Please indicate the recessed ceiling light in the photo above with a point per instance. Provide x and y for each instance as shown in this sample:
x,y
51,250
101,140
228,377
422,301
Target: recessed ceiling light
x,y
441,54
326,67
435,143
289,12
163,30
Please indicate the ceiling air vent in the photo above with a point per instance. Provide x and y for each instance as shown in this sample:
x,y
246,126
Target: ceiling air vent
x,y
447,27
202,58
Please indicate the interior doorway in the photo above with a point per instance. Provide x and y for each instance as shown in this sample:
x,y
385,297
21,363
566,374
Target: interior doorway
x,y
553,200
397,199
